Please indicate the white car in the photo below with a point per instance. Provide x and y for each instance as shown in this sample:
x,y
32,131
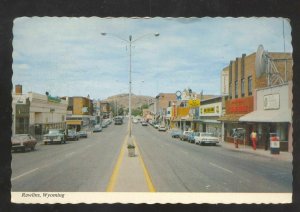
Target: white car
x,y
206,138
162,128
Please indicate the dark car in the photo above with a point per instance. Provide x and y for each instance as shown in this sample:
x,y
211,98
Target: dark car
x,y
83,134
23,142
72,135
175,133
118,121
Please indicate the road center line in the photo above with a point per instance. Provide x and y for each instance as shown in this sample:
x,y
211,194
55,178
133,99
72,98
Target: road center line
x,y
26,173
113,178
227,170
145,170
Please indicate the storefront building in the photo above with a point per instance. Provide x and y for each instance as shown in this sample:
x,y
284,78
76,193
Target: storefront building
x,y
35,113
242,83
210,112
272,114
80,114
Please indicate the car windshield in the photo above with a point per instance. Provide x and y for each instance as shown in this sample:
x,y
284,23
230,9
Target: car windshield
x,y
207,134
53,131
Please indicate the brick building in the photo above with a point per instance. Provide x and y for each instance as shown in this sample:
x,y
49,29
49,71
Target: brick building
x,y
242,83
80,112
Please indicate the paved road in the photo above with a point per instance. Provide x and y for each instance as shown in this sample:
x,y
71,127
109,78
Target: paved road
x,y
84,165
177,166
174,165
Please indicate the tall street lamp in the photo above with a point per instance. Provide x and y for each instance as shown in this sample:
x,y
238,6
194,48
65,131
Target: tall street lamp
x,y
130,41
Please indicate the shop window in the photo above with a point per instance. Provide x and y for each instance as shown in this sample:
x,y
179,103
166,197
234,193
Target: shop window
x,y
250,85
243,87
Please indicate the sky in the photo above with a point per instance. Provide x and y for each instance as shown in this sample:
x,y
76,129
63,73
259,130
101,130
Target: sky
x,y
70,57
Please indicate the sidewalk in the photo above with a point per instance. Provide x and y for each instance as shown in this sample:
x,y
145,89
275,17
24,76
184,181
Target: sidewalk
x,y
284,156
130,173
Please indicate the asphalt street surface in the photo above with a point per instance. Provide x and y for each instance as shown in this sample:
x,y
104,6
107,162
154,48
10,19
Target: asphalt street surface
x,y
174,166
178,166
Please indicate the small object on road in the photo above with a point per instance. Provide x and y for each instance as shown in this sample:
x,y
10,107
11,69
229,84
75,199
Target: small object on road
x,y
131,150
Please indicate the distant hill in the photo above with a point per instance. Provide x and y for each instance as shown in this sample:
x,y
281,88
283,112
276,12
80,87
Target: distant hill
x,y
122,100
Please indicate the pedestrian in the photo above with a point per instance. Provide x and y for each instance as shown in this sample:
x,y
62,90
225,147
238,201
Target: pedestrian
x,y
253,139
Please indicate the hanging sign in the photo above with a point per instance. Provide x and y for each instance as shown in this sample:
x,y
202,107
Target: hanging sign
x,y
194,102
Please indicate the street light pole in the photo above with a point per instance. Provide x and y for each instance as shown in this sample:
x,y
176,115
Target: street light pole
x,y
130,41
129,104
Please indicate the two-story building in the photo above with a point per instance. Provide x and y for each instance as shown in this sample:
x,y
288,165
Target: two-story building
x,y
36,113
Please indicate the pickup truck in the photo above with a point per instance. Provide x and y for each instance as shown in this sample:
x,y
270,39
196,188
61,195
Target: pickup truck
x,y
55,136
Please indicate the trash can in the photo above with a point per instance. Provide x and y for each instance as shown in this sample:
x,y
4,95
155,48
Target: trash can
x,y
274,143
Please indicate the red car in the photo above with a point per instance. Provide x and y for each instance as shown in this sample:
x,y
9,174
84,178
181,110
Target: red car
x,y
23,142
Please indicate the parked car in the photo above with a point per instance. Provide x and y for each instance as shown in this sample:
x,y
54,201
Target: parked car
x,y
162,128
118,121
104,124
135,121
23,142
184,135
73,135
206,138
97,128
191,137
55,136
156,126
83,134
144,123
175,133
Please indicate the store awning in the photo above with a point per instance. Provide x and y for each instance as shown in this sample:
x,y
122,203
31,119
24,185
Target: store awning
x,y
230,117
210,121
268,116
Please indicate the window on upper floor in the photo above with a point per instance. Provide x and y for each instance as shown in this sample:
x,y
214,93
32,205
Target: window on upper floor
x,y
243,87
230,90
250,85
236,89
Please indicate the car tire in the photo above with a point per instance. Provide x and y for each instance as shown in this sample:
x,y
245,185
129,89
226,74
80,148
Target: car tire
x,y
32,148
45,142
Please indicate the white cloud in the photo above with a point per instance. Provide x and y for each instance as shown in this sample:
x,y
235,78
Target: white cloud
x,y
72,57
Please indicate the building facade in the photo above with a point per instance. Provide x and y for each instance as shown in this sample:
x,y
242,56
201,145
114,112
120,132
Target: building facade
x,y
35,113
242,83
80,113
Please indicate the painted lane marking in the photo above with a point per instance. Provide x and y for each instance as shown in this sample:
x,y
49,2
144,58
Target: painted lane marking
x,y
146,172
26,173
69,154
227,170
113,178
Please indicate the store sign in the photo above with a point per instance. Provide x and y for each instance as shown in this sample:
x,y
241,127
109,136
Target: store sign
x,y
240,106
271,102
53,99
209,110
194,102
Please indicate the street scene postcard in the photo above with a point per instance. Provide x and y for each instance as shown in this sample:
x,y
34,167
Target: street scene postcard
x,y
152,110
